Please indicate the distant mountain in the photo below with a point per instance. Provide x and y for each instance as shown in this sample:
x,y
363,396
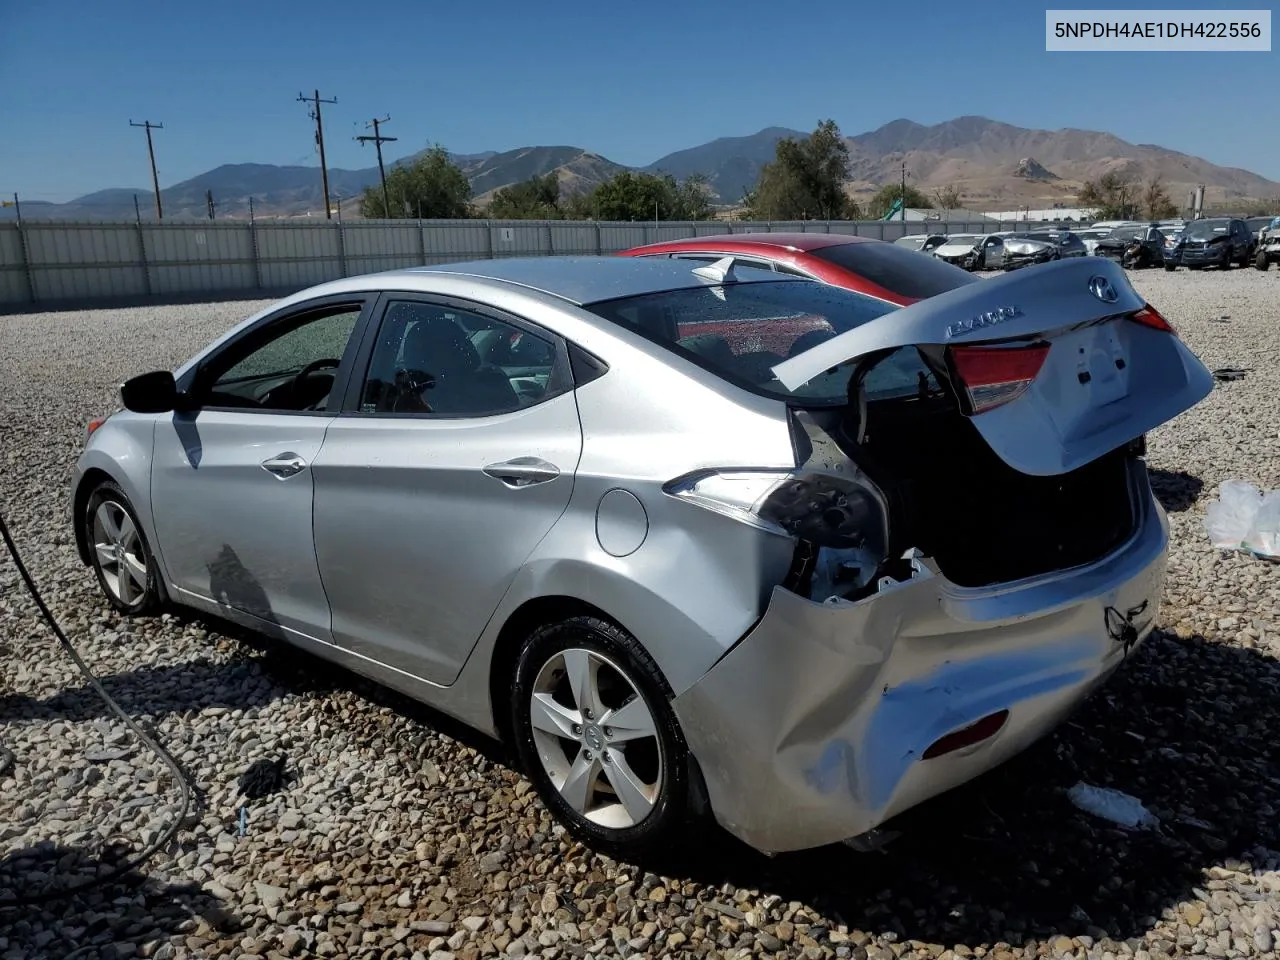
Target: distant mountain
x,y
731,164
989,162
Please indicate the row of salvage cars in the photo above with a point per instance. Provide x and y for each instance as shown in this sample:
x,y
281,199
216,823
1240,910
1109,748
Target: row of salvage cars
x,y
1220,242
794,531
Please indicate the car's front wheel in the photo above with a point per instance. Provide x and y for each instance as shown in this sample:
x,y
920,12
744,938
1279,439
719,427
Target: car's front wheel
x,y
119,551
596,734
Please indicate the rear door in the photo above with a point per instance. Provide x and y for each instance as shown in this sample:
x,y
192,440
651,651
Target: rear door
x,y
1055,366
454,455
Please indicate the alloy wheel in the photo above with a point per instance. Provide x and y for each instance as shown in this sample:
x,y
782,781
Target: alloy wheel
x,y
119,552
596,738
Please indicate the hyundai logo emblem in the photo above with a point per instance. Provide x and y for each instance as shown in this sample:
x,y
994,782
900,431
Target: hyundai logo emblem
x,y
1101,288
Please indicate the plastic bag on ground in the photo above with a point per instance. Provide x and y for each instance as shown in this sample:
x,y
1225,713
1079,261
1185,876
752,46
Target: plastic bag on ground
x,y
1120,808
1229,519
1264,534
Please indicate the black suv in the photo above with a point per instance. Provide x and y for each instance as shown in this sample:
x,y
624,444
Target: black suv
x,y
1212,242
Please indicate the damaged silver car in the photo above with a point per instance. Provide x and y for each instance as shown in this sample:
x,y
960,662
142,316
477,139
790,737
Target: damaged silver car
x,y
687,537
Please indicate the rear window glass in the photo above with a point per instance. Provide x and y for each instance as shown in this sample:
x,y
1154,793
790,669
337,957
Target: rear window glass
x,y
1204,229
907,273
740,331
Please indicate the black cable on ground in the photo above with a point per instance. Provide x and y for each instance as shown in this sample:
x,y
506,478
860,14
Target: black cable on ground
x,y
180,775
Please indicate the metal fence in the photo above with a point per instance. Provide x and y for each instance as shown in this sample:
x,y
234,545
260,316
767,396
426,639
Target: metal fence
x,y
87,263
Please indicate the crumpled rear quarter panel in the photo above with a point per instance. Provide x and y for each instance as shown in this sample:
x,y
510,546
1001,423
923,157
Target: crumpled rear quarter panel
x,y
811,730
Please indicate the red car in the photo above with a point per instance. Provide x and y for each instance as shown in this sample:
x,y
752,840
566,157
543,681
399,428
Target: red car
x,y
877,268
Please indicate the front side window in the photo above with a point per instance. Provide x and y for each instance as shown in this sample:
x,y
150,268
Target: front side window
x,y
290,368
434,359
740,331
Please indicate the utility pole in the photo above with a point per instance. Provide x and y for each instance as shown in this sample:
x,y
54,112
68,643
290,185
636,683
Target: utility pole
x,y
208,200
315,100
151,152
903,195
378,140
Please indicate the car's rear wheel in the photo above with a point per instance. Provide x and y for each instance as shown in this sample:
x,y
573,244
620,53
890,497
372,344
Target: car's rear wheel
x,y
596,734
119,552
1261,261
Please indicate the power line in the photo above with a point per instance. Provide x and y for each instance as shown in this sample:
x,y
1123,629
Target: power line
x,y
151,152
378,140
315,100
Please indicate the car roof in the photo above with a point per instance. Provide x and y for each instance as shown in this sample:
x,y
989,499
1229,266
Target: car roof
x,y
747,242
584,279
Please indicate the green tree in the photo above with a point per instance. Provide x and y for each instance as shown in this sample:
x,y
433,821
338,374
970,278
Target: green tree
x,y
805,180
1155,199
1113,195
432,186
645,196
537,198
884,199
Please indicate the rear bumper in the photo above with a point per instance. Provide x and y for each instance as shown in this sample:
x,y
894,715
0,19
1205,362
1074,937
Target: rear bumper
x,y
812,729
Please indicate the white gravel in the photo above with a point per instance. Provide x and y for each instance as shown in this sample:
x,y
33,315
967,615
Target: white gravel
x,y
401,836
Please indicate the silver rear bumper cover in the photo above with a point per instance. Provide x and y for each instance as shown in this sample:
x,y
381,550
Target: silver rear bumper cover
x,y
811,729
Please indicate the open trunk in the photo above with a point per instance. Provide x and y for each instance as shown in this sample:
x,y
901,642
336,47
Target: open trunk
x,y
1021,451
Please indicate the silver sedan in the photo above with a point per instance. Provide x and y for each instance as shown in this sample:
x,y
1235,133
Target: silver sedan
x,y
687,537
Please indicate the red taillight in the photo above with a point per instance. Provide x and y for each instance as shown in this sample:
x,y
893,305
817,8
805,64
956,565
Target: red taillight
x,y
93,425
1149,316
993,376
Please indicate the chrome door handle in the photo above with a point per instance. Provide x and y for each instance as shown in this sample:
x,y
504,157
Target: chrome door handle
x,y
523,471
284,465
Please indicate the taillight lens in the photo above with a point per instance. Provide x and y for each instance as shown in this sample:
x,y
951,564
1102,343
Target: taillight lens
x,y
1149,316
994,376
826,510
93,425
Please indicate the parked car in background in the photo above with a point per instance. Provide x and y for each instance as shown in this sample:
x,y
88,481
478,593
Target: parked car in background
x,y
973,251
1212,242
886,270
1091,235
1267,250
702,545
1133,245
1256,225
1040,246
924,242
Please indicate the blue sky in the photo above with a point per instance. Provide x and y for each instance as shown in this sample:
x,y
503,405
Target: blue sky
x,y
631,81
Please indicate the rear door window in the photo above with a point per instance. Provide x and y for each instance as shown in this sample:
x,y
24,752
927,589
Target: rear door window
x,y
908,273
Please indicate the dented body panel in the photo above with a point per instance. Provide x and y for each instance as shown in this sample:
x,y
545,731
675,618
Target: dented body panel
x,y
812,729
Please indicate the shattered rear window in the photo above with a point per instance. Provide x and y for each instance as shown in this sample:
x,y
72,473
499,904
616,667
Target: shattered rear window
x,y
740,331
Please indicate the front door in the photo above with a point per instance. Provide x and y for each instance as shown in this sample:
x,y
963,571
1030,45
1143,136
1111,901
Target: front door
x,y
231,488
430,496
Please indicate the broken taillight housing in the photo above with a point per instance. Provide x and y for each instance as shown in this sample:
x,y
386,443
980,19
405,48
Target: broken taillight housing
x,y
1149,316
826,510
994,376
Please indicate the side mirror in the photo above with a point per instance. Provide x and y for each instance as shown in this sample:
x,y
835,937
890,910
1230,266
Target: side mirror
x,y
154,392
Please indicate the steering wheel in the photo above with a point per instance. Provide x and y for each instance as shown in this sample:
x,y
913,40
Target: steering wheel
x,y
295,387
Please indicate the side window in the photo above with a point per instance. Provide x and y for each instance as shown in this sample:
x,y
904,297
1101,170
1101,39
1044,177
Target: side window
x,y
434,359
898,375
291,369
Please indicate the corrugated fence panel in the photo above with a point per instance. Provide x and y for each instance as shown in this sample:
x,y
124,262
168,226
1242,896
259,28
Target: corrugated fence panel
x,y
450,241
82,261
527,238
573,239
189,258
13,275
381,245
299,255
622,236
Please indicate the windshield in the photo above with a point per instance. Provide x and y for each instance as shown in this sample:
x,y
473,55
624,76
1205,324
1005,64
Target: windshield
x,y
1206,229
1128,233
739,331
904,272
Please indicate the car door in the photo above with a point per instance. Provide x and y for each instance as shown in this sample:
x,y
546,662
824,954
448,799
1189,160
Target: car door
x,y
992,252
231,488
455,456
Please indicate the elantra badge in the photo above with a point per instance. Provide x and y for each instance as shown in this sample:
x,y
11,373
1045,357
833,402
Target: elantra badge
x,y
988,318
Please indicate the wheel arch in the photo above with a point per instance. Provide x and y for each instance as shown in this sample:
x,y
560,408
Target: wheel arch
x,y
89,481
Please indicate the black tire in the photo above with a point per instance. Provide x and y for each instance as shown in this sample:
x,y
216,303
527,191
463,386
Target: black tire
x,y
1226,261
149,599
655,832
1170,267
1261,261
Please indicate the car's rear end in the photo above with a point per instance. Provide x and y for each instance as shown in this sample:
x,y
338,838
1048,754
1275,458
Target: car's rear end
x,y
975,546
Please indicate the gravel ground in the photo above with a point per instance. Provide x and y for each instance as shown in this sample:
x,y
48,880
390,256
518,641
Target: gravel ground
x,y
400,835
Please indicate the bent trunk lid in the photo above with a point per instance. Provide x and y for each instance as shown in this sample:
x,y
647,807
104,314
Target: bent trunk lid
x,y
1105,380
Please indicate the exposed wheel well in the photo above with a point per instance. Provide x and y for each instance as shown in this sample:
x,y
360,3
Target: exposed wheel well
x,y
530,615
88,483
